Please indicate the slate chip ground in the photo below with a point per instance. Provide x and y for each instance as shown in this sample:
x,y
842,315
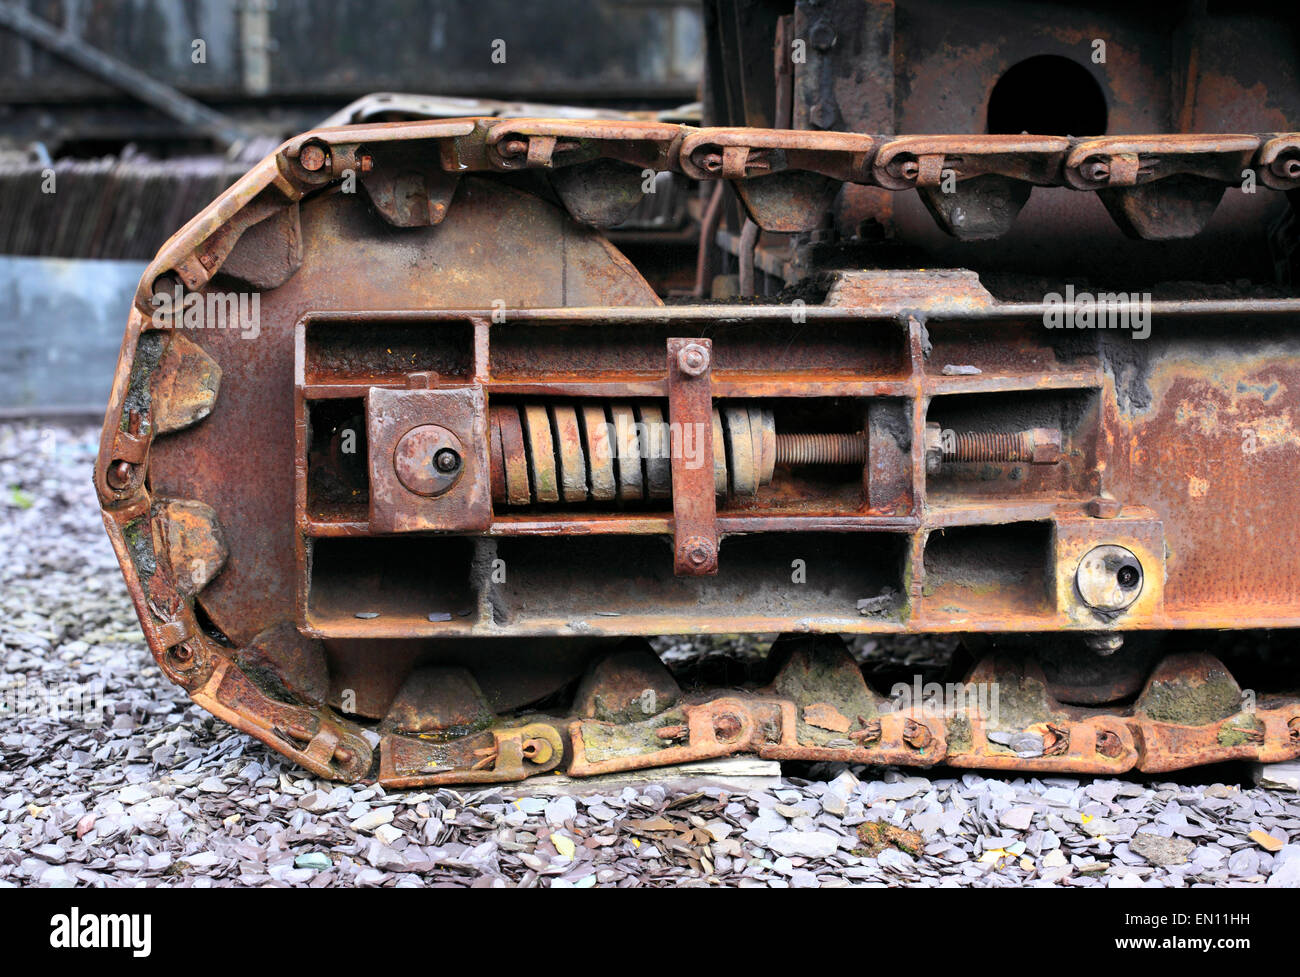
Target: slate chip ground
x,y
161,793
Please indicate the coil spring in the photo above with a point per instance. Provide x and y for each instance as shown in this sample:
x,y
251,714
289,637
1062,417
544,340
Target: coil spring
x,y
595,451
546,453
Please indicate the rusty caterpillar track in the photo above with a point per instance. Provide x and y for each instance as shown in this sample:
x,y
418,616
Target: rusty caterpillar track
x,y
310,510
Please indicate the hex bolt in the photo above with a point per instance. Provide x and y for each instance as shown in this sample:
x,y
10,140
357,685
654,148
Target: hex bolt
x,y
365,163
698,552
693,359
1035,446
1103,507
1104,643
514,147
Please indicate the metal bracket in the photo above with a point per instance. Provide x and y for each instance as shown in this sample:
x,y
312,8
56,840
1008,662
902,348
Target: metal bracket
x,y
690,416
428,460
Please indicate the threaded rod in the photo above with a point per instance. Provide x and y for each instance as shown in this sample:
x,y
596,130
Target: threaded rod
x,y
821,449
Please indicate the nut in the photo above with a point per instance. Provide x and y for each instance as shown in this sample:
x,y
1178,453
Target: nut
x,y
1046,442
1102,507
693,359
699,552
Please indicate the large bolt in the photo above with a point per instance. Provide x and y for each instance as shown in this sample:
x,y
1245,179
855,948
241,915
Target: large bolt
x,y
693,359
312,156
1035,446
709,160
821,449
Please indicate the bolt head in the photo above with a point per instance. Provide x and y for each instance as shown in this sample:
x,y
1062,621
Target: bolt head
x,y
693,359
1047,445
312,157
823,115
1101,507
119,475
446,461
1105,643
699,553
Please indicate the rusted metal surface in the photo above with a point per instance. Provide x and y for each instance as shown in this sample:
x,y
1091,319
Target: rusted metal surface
x,y
690,412
428,460
429,396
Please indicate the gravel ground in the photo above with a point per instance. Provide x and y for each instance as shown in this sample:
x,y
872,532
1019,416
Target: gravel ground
x,y
159,792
